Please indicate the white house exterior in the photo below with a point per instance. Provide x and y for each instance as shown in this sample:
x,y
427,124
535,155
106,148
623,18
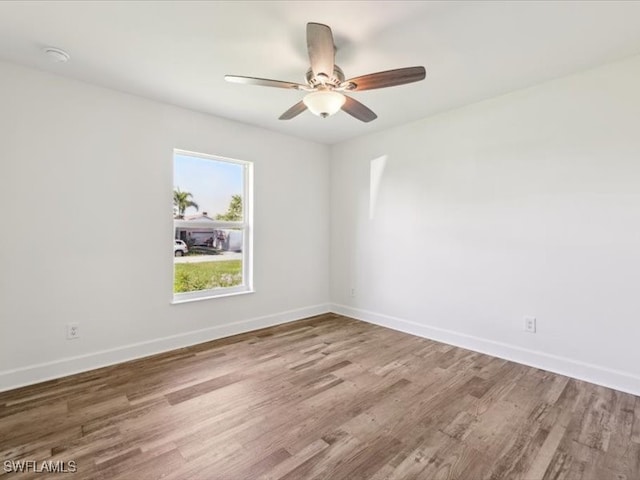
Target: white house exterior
x,y
202,230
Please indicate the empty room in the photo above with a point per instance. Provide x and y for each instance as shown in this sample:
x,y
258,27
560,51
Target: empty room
x,y
406,240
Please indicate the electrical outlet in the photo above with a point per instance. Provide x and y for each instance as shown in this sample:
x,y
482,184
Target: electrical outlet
x,y
352,292
73,331
530,324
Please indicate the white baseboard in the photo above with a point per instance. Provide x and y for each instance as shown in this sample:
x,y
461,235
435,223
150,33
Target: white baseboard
x,y
616,379
10,379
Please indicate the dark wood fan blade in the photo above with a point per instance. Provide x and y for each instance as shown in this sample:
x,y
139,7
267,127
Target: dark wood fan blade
x,y
390,78
294,111
321,49
358,110
264,82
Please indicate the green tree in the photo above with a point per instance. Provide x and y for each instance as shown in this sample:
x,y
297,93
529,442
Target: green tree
x,y
234,211
182,201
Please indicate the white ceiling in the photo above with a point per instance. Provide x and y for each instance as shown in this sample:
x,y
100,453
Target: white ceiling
x,y
179,51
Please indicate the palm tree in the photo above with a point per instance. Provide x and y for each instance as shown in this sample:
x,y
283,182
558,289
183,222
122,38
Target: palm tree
x,y
181,201
234,212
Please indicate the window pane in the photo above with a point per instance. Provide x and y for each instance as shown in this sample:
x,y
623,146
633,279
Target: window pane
x,y
215,260
208,252
204,187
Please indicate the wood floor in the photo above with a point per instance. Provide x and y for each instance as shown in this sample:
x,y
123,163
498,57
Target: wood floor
x,y
325,398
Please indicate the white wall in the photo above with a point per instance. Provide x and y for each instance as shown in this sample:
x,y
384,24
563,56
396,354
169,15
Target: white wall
x,y
526,204
86,195
523,205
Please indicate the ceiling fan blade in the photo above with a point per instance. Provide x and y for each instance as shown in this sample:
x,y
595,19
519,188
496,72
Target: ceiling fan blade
x,y
294,111
264,82
321,49
358,110
390,78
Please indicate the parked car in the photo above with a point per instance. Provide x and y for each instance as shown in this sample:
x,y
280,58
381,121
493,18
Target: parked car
x,y
180,248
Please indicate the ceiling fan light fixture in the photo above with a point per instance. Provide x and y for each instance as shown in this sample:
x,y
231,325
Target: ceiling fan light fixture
x,y
326,80
324,103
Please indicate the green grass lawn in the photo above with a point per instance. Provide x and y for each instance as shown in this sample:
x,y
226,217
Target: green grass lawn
x,y
190,277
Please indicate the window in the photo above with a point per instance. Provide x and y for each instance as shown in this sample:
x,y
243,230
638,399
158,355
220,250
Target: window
x,y
212,234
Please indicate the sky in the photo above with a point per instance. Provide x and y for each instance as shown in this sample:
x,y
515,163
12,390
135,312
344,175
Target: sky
x,y
211,182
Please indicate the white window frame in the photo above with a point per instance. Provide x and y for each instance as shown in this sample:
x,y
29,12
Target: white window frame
x,y
246,225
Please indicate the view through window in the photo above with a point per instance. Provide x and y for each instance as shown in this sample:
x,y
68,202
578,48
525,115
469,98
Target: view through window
x,y
212,230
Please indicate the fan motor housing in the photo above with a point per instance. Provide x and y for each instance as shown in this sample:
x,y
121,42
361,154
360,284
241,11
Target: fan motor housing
x,y
335,80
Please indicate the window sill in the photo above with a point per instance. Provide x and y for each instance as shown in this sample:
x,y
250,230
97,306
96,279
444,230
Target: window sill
x,y
207,295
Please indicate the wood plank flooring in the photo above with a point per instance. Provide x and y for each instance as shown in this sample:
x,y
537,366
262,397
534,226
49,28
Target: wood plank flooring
x,y
324,398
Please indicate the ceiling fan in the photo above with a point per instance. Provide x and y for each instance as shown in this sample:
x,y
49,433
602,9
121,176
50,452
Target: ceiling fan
x,y
326,84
